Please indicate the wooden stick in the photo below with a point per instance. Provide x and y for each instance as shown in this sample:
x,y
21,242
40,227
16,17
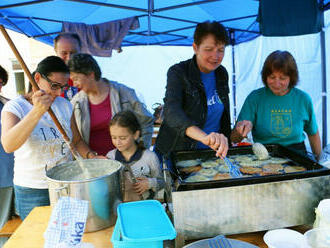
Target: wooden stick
x,y
32,81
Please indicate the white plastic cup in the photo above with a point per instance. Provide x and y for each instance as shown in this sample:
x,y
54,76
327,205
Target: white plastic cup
x,y
284,238
317,238
323,214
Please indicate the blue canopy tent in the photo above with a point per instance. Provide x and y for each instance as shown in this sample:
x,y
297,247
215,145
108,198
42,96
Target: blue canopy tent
x,y
163,22
169,23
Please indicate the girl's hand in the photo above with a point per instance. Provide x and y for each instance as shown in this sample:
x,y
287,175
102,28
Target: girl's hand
x,y
41,101
142,185
217,142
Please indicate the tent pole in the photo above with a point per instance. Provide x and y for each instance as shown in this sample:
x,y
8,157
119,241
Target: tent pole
x,y
324,81
324,90
32,81
150,12
232,42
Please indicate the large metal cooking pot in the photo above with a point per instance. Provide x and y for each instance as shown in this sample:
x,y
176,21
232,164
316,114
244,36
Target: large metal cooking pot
x,y
98,182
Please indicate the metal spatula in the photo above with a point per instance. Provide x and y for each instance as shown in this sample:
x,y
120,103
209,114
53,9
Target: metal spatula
x,y
258,149
234,171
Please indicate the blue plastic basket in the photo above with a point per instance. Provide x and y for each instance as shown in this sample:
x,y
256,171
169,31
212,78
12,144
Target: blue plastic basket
x,y
142,224
117,241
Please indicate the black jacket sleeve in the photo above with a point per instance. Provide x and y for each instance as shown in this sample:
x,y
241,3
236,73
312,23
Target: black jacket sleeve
x,y
174,114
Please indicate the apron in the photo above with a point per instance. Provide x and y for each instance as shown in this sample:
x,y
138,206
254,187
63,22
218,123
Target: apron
x,y
128,180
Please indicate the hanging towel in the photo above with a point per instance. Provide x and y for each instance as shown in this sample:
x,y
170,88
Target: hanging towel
x,y
287,18
100,39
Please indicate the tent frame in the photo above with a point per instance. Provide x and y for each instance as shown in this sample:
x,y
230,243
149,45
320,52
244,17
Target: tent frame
x,y
151,12
146,12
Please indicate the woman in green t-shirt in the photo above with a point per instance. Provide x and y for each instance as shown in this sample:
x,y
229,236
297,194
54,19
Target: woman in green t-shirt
x,y
279,113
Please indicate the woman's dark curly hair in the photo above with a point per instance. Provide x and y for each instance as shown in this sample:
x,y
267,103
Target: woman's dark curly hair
x,y
203,29
49,65
85,64
281,61
3,76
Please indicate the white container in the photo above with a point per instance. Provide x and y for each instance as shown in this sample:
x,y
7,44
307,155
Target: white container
x,y
284,238
317,238
323,214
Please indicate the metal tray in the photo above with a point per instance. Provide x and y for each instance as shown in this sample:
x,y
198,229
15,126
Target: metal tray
x,y
313,169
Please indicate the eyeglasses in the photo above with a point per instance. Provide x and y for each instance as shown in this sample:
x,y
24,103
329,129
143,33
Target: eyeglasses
x,y
55,85
2,83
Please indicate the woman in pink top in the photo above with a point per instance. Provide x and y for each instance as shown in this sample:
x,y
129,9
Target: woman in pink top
x,y
98,100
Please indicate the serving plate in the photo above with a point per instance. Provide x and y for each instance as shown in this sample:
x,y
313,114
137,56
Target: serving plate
x,y
204,243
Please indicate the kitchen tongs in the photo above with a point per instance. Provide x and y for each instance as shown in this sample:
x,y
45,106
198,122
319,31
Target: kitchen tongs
x,y
234,171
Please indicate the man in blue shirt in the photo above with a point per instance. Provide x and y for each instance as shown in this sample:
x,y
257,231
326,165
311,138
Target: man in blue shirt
x,y
6,167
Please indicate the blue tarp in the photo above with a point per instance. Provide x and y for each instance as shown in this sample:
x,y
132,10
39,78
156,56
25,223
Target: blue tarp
x,y
172,22
162,22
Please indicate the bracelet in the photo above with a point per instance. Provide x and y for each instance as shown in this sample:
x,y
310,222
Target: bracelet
x,y
91,152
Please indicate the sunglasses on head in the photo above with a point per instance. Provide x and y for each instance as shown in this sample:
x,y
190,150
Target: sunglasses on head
x,y
55,85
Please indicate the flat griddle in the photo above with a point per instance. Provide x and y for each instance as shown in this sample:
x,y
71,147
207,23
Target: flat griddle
x,y
313,169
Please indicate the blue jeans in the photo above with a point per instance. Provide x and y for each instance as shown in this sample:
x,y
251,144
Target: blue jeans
x,y
27,198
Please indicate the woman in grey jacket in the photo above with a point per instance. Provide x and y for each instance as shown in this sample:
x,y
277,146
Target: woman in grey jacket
x,y
98,100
